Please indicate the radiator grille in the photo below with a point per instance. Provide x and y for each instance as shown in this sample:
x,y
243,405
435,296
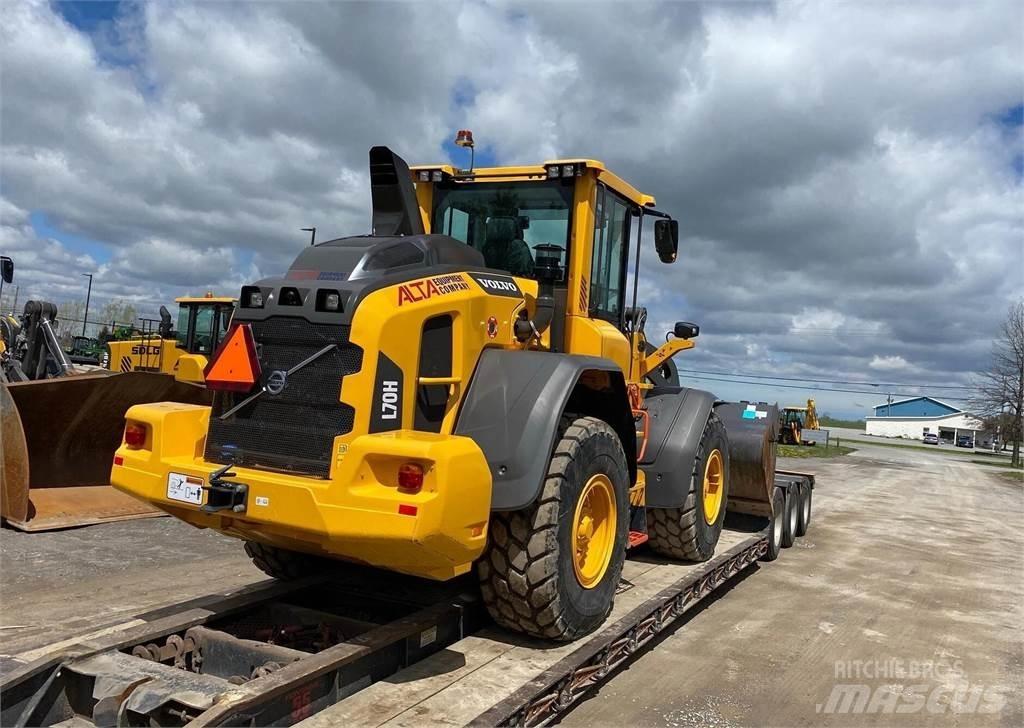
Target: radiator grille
x,y
292,431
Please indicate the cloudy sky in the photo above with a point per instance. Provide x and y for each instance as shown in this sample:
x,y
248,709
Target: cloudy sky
x,y
847,175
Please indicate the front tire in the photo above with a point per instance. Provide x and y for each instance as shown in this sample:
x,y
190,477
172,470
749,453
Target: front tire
x,y
550,570
691,531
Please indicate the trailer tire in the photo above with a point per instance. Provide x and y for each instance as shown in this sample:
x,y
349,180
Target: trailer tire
x,y
685,533
530,578
804,516
775,525
791,516
284,564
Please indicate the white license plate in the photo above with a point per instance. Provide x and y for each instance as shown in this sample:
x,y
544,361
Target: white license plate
x,y
185,488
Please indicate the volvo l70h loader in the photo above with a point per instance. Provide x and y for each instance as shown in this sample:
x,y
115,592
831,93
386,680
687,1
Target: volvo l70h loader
x,y
465,385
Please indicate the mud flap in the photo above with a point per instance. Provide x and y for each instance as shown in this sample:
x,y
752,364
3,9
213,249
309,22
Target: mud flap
x,y
57,441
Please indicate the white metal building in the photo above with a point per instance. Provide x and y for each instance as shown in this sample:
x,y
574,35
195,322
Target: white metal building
x,y
915,417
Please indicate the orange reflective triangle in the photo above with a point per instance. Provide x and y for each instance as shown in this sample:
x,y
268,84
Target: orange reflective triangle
x,y
234,366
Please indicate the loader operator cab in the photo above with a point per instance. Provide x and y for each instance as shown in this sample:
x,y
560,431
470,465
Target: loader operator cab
x,y
202,323
590,223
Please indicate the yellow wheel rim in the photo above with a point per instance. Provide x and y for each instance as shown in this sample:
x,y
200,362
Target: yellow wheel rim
x,y
713,485
593,531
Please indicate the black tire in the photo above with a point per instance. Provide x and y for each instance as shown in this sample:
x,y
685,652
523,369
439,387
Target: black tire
x,y
790,516
527,577
284,564
803,519
775,525
684,533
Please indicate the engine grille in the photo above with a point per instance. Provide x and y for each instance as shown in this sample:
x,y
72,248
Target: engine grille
x,y
294,430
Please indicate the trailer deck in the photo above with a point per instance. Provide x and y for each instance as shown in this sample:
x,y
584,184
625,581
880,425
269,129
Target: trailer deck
x,y
370,649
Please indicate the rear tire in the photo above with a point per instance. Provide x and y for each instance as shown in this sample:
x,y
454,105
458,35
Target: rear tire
x,y
775,525
530,578
685,533
804,516
790,516
284,564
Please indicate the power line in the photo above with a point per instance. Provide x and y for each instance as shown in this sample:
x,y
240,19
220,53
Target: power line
x,y
881,385
686,375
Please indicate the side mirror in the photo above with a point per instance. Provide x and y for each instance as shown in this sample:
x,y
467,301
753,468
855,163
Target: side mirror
x,y
666,239
6,269
686,330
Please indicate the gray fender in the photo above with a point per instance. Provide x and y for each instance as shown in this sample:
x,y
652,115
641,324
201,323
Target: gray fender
x,y
513,406
678,416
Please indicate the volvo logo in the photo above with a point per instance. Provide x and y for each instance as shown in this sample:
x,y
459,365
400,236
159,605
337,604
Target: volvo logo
x,y
276,381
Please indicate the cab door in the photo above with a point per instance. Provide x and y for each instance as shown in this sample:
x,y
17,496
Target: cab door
x,y
599,333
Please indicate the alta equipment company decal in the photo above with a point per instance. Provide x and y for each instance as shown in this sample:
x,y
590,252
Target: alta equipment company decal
x,y
439,286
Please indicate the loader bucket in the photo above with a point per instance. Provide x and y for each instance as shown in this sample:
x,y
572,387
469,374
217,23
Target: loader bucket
x,y
752,429
57,441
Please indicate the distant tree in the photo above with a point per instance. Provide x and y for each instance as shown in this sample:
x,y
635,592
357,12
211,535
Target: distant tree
x,y
117,310
999,392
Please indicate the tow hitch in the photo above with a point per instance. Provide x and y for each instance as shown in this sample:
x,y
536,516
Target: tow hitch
x,y
224,496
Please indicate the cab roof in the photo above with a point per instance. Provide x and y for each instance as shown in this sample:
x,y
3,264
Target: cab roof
x,y
205,299
539,172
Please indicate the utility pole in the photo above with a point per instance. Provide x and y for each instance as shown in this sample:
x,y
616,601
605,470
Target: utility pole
x,y
88,295
14,308
312,235
888,409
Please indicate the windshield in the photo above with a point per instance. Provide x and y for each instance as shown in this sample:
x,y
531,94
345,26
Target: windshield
x,y
505,220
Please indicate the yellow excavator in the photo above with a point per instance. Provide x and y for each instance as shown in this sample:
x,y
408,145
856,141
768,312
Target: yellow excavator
x,y
181,351
468,385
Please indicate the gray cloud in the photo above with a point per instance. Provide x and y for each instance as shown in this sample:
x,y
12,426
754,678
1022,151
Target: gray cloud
x,y
837,169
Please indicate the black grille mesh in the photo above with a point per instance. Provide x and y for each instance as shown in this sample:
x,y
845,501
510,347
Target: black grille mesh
x,y
294,430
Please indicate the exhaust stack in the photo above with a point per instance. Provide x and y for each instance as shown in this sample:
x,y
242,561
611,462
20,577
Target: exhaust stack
x,y
395,210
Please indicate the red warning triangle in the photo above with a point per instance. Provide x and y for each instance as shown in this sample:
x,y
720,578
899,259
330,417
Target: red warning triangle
x,y
234,366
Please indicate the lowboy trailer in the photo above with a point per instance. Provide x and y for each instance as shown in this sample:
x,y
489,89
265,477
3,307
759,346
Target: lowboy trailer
x,y
318,652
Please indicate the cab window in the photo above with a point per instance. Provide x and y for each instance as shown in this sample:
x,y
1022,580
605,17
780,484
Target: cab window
x,y
204,339
505,220
608,266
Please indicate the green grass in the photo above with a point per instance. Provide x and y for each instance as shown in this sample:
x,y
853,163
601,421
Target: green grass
x,y
816,451
826,421
998,465
951,451
880,442
1016,478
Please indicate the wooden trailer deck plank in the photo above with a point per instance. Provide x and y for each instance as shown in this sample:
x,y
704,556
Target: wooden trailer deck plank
x,y
456,685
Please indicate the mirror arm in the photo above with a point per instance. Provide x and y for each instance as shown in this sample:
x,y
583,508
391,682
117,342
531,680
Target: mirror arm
x,y
636,281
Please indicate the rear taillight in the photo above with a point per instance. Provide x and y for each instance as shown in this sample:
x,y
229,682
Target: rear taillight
x,y
410,477
135,435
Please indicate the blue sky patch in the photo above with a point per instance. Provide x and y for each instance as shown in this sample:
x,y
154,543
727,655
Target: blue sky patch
x,y
87,15
79,244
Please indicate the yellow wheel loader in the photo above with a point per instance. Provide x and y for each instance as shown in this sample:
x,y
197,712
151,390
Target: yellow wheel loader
x,y
182,352
464,386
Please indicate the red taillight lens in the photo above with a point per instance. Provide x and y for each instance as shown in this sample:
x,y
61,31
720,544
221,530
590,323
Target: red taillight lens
x,y
410,477
134,435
